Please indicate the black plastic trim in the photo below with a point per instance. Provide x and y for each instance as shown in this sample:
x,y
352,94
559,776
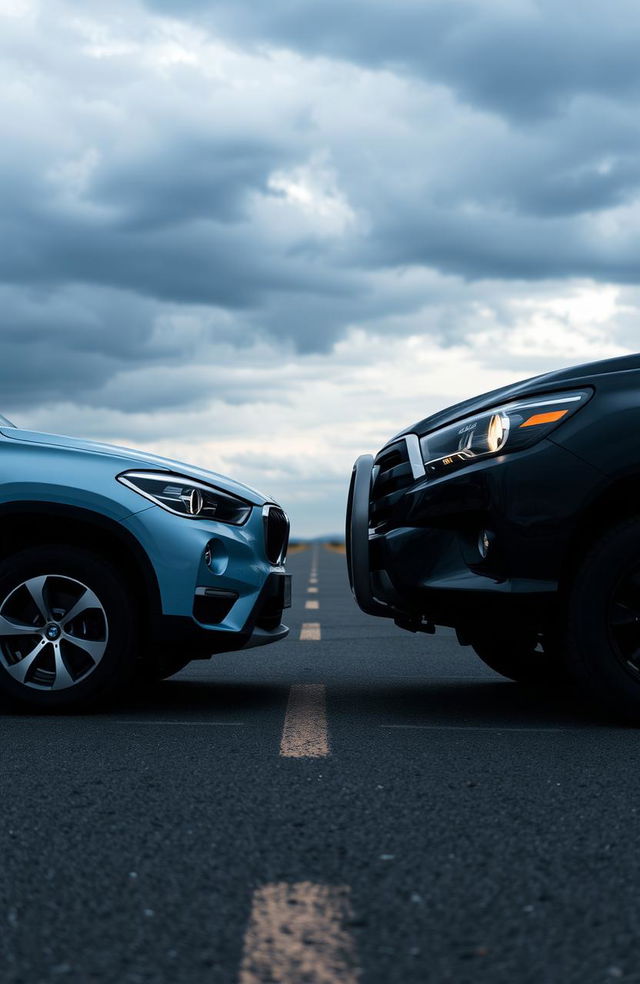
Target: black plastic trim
x,y
357,538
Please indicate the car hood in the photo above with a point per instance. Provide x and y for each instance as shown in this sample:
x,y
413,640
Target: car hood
x,y
576,375
137,459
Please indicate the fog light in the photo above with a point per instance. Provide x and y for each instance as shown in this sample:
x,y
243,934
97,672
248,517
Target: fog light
x,y
216,557
484,543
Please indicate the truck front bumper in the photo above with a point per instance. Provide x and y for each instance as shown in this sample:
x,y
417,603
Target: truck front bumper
x,y
488,541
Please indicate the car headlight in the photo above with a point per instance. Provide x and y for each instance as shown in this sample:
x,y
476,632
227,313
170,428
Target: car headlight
x,y
187,497
510,427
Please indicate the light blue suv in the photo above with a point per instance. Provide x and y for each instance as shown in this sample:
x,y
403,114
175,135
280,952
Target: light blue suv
x,y
116,563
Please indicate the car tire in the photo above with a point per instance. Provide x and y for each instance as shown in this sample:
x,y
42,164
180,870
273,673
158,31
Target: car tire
x,y
75,628
603,621
523,657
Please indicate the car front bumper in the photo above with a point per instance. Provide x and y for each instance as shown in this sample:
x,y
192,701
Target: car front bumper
x,y
234,601
427,563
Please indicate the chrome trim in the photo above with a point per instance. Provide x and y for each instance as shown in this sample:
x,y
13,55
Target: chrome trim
x,y
266,509
538,403
202,591
415,455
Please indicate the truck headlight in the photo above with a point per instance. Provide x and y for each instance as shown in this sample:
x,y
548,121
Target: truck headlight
x,y
187,497
510,427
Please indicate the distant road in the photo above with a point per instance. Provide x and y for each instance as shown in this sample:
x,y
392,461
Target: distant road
x,y
354,804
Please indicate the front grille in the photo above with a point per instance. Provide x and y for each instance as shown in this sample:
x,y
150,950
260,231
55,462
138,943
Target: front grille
x,y
276,533
392,474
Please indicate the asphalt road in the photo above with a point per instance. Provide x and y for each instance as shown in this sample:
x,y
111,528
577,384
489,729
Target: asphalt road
x,y
453,827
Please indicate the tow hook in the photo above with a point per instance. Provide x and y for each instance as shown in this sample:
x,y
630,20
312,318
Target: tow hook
x,y
416,625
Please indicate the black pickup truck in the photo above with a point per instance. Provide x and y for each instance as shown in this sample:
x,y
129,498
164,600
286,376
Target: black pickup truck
x,y
515,518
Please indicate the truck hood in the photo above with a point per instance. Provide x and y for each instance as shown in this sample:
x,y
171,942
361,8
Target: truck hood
x,y
136,459
583,375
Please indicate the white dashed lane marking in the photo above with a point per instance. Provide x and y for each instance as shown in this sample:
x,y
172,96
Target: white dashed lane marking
x,y
310,632
312,590
305,725
297,933
313,604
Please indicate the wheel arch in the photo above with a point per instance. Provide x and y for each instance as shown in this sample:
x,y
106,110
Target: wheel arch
x,y
619,500
28,524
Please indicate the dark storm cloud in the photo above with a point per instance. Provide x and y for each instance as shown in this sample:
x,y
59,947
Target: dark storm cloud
x,y
198,263
66,344
522,248
102,347
524,59
170,200
186,177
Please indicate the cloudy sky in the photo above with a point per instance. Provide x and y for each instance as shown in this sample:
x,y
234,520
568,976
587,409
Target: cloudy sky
x,y
264,236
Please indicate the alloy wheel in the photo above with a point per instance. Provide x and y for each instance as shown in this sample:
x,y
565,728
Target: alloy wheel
x,y
53,632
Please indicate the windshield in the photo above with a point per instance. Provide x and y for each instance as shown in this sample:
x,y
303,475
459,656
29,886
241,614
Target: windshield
x,y
5,423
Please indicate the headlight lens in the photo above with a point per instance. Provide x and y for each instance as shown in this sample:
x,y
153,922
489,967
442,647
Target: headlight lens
x,y
510,427
187,497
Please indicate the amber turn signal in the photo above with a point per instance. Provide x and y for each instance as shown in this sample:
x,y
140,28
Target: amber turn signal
x,y
544,418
